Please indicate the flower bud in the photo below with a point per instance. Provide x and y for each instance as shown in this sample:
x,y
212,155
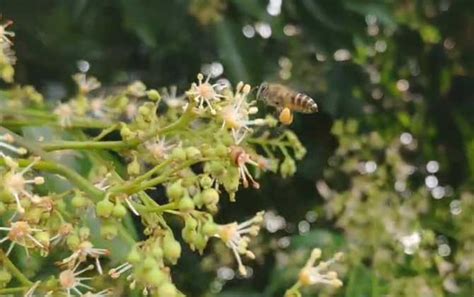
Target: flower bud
x,y
186,204
206,181
175,191
192,153
134,256
3,208
221,150
157,252
209,228
119,211
287,167
108,231
126,133
133,168
104,208
210,196
178,154
216,168
171,249
79,201
43,238
155,277
167,289
153,95
73,241
198,200
84,233
200,242
5,278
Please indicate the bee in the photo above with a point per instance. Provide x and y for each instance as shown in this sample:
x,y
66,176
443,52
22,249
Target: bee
x,y
286,101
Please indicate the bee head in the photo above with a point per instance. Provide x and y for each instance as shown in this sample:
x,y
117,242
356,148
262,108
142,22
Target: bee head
x,y
262,90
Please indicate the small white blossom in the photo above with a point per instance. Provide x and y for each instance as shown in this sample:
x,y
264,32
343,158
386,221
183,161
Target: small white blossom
x,y
241,158
84,250
235,116
21,233
204,92
86,84
71,282
312,274
65,113
6,35
236,237
172,99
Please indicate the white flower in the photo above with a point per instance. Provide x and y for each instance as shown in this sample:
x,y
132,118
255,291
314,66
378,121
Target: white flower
x,y
69,280
235,236
15,182
204,92
86,84
235,116
65,113
86,249
171,98
319,274
4,34
21,233
7,55
159,148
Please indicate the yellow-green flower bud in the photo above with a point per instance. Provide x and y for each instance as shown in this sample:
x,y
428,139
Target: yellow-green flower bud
x,y
119,211
155,277
79,201
126,133
222,150
149,263
73,242
84,233
178,154
104,208
206,181
175,191
171,249
287,167
133,168
153,95
167,289
200,242
43,238
186,204
198,200
210,196
108,231
209,228
5,278
134,256
192,153
157,252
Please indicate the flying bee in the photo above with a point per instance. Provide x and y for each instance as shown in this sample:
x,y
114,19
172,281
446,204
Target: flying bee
x,y
286,101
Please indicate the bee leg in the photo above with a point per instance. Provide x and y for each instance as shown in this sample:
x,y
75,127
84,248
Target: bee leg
x,y
286,116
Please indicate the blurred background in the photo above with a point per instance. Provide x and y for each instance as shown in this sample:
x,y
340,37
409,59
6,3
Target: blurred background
x,y
389,173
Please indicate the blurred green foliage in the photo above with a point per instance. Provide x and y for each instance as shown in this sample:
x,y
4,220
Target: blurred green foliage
x,y
392,66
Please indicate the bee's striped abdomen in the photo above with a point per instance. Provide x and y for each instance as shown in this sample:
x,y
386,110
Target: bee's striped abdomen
x,y
304,103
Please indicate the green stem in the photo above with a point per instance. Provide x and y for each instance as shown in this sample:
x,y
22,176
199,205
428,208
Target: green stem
x,y
121,144
7,291
85,145
162,208
14,270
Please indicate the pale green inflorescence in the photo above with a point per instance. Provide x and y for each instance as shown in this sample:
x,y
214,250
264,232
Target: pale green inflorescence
x,y
201,147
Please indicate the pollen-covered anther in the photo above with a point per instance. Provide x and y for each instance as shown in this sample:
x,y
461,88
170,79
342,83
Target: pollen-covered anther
x,y
240,157
236,237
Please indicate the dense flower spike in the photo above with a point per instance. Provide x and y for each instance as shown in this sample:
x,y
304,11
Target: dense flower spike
x,y
236,237
204,92
197,149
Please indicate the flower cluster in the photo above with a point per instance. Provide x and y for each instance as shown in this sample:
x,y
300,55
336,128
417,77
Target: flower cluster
x,y
196,149
7,55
